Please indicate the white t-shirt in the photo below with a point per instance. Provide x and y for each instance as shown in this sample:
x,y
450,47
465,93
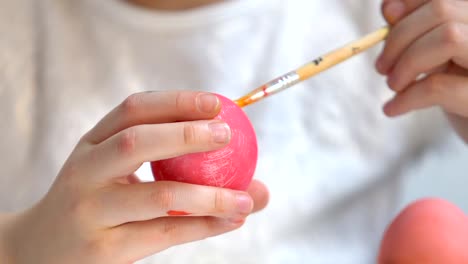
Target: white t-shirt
x,y
332,161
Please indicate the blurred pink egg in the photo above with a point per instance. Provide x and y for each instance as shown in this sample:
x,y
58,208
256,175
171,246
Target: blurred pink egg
x,y
429,231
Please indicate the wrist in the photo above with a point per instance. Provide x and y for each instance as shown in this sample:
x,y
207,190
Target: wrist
x,y
6,249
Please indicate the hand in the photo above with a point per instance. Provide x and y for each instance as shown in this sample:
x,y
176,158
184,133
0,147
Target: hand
x,y
426,57
98,212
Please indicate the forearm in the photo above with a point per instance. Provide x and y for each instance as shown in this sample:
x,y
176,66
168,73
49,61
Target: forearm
x,y
460,125
5,250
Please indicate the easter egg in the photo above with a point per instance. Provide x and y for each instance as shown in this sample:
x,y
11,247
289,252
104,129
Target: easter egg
x,y
232,166
430,231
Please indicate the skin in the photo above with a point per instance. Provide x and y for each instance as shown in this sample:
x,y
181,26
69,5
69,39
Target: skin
x,y
98,212
431,38
102,214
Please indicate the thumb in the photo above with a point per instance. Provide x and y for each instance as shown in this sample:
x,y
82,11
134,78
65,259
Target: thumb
x,y
394,10
260,195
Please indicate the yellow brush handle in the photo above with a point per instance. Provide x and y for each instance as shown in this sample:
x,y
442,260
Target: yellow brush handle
x,y
313,68
335,57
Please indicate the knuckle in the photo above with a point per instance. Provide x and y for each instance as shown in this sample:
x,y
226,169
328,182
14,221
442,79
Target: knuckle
x,y
220,200
126,143
163,197
190,134
210,223
186,102
76,207
71,169
452,34
131,104
100,248
180,102
85,139
442,9
95,247
407,63
81,209
435,86
169,227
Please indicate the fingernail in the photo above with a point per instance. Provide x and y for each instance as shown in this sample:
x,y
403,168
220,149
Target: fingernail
x,y
220,132
207,103
388,108
394,10
392,82
244,203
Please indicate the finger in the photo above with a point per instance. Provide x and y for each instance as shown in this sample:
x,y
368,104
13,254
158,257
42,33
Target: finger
x,y
141,239
448,91
394,10
153,108
438,47
124,152
260,195
414,26
120,204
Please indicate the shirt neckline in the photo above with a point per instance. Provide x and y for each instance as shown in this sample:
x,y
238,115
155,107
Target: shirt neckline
x,y
158,20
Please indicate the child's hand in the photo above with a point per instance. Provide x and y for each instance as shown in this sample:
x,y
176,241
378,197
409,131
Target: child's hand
x,y
426,57
98,212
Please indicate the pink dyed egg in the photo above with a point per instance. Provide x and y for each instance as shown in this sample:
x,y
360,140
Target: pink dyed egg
x,y
230,167
429,231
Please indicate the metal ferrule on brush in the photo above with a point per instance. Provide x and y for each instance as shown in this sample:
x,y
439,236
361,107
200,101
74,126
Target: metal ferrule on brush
x,y
281,83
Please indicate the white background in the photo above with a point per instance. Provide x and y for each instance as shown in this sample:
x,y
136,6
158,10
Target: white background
x,y
442,174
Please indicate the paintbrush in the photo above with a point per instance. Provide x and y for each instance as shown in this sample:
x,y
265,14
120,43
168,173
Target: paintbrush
x,y
313,68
